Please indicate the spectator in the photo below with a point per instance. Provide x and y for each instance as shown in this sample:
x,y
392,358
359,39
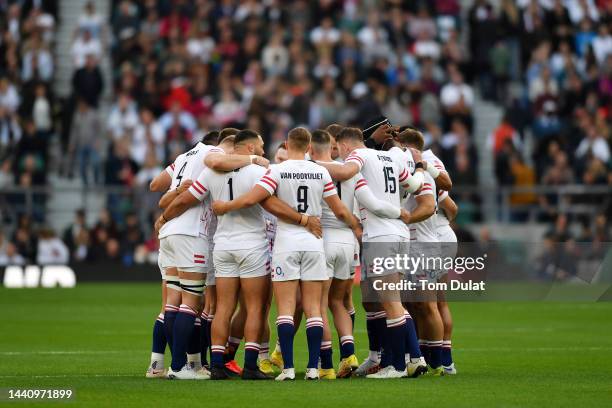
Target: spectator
x,y
73,235
85,46
120,168
10,256
87,82
85,144
9,98
90,20
51,249
123,118
148,139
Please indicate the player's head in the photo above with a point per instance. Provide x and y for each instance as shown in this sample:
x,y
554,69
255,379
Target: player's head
x,y
281,153
320,145
211,138
349,139
298,140
228,144
411,137
248,141
334,129
227,132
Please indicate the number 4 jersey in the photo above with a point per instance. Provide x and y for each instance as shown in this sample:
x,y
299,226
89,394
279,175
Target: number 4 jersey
x,y
236,230
302,185
188,166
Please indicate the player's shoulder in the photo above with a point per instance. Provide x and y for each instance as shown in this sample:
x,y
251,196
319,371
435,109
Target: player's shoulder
x,y
254,170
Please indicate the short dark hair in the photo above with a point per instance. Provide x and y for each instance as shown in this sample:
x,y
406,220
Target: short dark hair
x,y
350,133
320,137
211,138
244,135
299,138
333,129
227,132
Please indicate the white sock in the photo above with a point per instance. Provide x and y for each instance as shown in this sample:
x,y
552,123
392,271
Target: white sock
x,y
374,356
195,358
264,351
157,358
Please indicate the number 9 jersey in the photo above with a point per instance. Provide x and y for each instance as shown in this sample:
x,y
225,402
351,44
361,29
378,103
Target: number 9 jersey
x,y
302,185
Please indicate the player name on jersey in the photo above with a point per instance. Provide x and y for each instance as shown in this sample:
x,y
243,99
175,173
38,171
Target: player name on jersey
x,y
301,176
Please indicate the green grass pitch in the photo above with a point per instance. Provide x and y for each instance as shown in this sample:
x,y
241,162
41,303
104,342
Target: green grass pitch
x,y
95,339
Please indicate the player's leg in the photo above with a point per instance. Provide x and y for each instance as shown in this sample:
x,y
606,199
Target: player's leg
x,y
447,322
210,307
255,290
344,326
173,301
285,298
415,362
326,372
236,335
158,348
227,290
194,347
434,333
265,362
375,326
348,302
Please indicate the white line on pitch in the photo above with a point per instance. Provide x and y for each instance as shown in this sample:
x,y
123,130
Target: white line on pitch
x,y
70,376
62,352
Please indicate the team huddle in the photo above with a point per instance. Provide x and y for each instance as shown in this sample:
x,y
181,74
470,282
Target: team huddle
x,y
238,233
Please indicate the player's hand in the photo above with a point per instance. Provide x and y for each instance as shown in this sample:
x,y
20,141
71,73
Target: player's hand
x,y
184,186
405,216
314,226
219,207
383,133
261,161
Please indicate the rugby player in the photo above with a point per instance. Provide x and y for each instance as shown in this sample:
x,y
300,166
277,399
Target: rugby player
x,y
385,175
186,257
303,185
240,255
339,252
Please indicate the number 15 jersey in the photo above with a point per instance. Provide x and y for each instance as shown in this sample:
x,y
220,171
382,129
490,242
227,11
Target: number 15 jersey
x,y
384,174
302,185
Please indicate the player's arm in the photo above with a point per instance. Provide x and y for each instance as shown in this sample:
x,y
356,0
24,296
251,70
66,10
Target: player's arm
x,y
443,180
171,195
227,162
282,211
342,213
426,207
380,208
255,196
449,207
343,172
162,181
190,197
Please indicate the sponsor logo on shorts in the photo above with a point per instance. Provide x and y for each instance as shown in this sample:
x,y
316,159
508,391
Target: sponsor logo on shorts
x,y
278,271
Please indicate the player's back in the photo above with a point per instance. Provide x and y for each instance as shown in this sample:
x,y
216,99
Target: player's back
x,y
301,184
382,173
331,225
245,228
424,231
441,219
194,221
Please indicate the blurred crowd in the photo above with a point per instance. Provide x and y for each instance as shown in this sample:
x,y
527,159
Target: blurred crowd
x,y
181,68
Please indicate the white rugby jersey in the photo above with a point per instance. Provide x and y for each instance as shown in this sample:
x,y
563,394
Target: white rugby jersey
x,y
384,175
352,192
194,221
302,185
424,231
270,221
241,229
431,158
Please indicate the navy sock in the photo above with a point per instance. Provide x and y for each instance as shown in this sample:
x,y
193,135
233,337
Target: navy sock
x,y
412,343
286,332
181,335
159,337
326,355
251,352
216,356
435,353
396,331
195,345
170,313
231,348
205,344
375,324
424,347
352,314
314,334
347,346
447,357
209,329
386,356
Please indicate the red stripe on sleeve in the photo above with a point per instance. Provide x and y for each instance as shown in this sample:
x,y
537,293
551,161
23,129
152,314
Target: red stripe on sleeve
x,y
268,183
